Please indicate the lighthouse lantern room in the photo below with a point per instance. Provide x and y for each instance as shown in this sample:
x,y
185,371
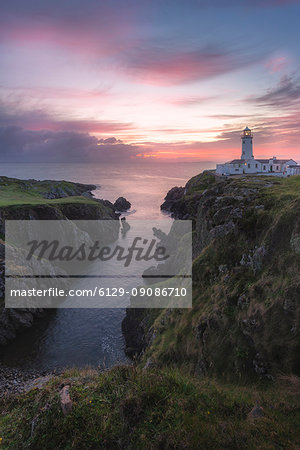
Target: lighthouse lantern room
x,y
247,148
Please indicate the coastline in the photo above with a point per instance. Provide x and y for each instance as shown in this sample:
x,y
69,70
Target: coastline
x,y
42,200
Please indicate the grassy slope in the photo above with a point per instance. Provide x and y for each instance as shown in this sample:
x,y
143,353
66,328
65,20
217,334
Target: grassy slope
x,y
270,293
134,409
14,192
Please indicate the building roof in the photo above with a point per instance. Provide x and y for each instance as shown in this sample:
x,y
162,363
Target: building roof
x,y
276,161
247,129
236,161
282,161
263,161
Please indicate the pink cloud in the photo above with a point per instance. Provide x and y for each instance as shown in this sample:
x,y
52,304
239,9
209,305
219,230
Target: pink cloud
x,y
277,64
171,66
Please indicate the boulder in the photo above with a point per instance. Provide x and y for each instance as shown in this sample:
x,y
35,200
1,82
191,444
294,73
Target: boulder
x,y
121,204
65,400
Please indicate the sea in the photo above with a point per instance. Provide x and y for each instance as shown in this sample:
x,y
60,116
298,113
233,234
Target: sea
x,y
93,337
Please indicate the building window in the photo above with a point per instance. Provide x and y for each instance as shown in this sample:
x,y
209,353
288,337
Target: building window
x,y
248,166
256,166
264,167
277,167
244,142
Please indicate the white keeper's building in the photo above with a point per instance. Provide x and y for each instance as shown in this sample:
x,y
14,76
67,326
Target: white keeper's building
x,y
247,163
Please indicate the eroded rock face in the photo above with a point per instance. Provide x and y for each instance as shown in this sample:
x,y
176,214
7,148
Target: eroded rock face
x,y
121,204
246,315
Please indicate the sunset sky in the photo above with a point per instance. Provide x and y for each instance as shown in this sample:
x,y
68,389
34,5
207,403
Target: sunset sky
x,y
122,80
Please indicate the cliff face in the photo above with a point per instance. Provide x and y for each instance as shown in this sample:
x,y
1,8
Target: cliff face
x,y
245,320
46,200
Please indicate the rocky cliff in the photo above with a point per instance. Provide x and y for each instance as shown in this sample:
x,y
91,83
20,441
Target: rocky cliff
x,y
41,200
245,320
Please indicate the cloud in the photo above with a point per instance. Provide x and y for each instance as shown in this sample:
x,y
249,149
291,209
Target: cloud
x,y
70,25
12,113
167,65
284,95
278,64
193,100
20,145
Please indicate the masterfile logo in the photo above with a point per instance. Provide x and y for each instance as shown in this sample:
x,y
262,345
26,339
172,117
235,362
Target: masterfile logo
x,y
80,264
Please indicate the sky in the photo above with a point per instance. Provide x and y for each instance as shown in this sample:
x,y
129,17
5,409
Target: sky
x,y
125,80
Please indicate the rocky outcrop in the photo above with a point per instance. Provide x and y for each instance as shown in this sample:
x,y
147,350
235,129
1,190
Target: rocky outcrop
x,y
13,321
245,321
172,200
121,204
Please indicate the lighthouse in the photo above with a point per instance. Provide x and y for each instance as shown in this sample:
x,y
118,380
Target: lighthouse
x,y
247,149
247,163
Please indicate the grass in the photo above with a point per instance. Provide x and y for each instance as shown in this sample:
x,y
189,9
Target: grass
x,y
129,408
14,192
247,310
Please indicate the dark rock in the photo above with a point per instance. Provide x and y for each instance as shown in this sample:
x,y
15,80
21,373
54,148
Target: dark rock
x,y
121,204
125,226
172,197
223,230
222,215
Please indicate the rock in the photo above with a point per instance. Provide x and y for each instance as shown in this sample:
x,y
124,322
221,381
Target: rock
x,y
173,196
121,204
254,259
222,215
65,400
223,230
36,383
125,226
256,412
258,257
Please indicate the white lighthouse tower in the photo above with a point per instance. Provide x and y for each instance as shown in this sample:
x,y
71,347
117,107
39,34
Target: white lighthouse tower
x,y
247,148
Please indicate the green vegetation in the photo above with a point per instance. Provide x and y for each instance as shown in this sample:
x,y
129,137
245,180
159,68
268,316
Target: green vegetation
x,y
246,285
200,182
14,192
131,408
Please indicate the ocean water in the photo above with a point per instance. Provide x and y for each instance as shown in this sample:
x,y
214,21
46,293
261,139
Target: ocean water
x,y
93,337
